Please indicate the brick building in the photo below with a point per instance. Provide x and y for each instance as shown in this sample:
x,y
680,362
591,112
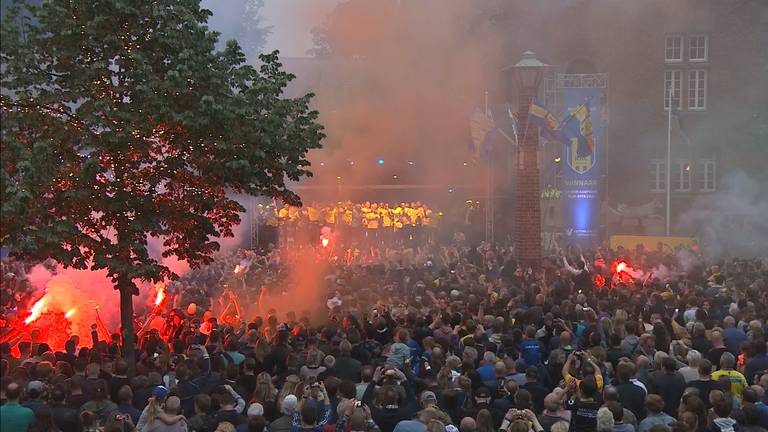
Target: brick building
x,y
713,52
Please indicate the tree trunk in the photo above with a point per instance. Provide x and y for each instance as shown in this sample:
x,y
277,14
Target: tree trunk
x,y
126,288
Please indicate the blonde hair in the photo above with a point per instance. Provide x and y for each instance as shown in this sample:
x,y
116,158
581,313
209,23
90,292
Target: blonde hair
x,y
435,426
265,391
289,388
225,427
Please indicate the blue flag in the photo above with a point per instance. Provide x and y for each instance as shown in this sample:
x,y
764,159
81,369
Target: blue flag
x,y
578,126
540,116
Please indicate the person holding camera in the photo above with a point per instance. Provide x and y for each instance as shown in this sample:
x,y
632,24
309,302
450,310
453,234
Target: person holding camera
x,y
314,409
517,420
580,365
358,417
391,408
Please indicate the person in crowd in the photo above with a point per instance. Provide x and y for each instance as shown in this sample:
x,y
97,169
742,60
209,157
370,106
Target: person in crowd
x,y
654,405
13,416
669,384
728,374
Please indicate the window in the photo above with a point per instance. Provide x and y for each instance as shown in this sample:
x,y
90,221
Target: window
x,y
674,49
658,176
673,79
681,176
698,48
707,175
697,89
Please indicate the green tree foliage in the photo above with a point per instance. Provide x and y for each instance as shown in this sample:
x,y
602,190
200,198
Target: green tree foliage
x,y
121,121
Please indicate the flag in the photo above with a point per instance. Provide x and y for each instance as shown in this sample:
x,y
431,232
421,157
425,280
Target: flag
x,y
513,124
578,125
680,125
483,132
539,115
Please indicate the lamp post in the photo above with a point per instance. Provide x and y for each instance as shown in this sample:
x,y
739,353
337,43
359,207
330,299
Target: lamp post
x,y
527,74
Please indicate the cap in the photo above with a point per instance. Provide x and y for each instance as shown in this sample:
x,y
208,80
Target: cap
x,y
255,410
160,392
532,372
428,396
283,327
483,392
451,428
36,385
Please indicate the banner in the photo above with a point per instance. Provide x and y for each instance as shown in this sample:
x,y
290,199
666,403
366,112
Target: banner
x,y
581,174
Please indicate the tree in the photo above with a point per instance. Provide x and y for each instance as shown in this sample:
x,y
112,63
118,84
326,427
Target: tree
x,y
121,121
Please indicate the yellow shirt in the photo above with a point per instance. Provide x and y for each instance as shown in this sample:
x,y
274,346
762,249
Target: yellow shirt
x,y
348,217
283,213
372,220
598,380
330,216
386,220
313,214
736,378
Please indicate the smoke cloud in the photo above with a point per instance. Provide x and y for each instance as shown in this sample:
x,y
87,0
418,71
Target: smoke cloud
x,y
733,220
396,82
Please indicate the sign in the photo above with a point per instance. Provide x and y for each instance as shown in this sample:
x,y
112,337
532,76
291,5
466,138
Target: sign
x,y
650,242
581,174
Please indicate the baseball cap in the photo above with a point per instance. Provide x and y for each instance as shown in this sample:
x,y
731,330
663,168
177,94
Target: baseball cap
x,y
35,385
483,392
428,396
160,392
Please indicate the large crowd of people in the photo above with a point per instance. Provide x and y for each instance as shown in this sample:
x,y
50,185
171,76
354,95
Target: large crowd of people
x,y
446,338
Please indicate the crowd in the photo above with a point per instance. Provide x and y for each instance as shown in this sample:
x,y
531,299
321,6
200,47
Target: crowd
x,y
457,338
354,222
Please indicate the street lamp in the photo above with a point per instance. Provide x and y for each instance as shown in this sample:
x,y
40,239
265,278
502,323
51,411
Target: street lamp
x,y
527,74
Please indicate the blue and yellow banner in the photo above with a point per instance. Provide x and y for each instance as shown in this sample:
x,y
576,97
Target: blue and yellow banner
x,y
582,167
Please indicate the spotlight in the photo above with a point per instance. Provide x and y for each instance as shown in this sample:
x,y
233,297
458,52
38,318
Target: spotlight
x,y
381,162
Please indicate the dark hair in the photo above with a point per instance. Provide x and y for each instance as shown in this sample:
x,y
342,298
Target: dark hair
x,y
203,402
723,407
308,414
347,389
705,367
668,364
616,409
12,391
588,386
257,424
759,346
750,414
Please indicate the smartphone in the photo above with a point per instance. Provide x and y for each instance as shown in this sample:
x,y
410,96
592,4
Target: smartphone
x,y
358,404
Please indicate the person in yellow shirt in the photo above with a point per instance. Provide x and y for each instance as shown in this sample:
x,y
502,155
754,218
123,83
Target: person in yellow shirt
x,y
330,215
347,216
313,214
372,217
588,367
727,373
386,221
